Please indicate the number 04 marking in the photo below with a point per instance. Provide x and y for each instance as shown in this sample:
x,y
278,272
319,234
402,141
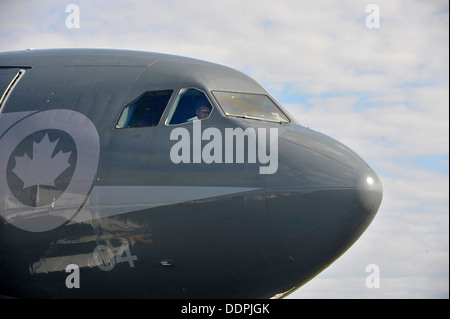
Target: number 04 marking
x,y
105,260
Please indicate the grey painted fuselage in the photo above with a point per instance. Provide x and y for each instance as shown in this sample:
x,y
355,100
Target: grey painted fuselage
x,y
91,209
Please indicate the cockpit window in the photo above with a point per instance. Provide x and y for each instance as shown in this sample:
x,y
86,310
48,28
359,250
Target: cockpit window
x,y
144,111
191,105
250,106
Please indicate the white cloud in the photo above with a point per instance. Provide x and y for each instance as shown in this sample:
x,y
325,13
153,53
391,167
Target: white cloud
x,y
417,125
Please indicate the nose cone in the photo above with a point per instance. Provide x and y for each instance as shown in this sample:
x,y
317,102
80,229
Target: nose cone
x,y
320,200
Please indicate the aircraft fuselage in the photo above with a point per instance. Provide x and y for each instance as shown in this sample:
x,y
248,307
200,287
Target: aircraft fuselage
x,y
111,186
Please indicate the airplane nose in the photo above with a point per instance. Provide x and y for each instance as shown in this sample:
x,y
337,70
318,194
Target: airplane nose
x,y
320,200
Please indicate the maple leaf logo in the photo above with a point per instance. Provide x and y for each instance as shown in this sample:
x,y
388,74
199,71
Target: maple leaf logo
x,y
42,168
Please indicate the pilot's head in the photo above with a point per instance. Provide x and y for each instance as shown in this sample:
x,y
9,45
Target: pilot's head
x,y
203,111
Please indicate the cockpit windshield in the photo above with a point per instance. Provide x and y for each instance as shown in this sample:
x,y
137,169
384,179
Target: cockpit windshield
x,y
250,106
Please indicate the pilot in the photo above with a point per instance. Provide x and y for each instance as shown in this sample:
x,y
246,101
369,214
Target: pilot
x,y
202,112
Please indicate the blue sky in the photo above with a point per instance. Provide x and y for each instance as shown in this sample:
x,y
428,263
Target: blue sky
x,y
381,91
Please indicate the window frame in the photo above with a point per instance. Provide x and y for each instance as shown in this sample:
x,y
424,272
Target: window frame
x,y
249,117
177,101
170,93
11,86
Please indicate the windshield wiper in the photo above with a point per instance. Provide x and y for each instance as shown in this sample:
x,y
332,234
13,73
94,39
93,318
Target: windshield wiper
x,y
249,117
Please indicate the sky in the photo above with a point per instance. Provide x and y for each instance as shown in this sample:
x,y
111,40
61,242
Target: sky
x,y
372,74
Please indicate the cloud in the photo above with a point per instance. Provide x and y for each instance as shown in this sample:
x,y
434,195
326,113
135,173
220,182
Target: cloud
x,y
417,125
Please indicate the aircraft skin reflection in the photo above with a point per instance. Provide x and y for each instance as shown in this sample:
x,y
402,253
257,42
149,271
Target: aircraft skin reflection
x,y
91,204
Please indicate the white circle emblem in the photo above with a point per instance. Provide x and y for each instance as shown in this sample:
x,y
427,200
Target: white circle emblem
x,y
40,167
